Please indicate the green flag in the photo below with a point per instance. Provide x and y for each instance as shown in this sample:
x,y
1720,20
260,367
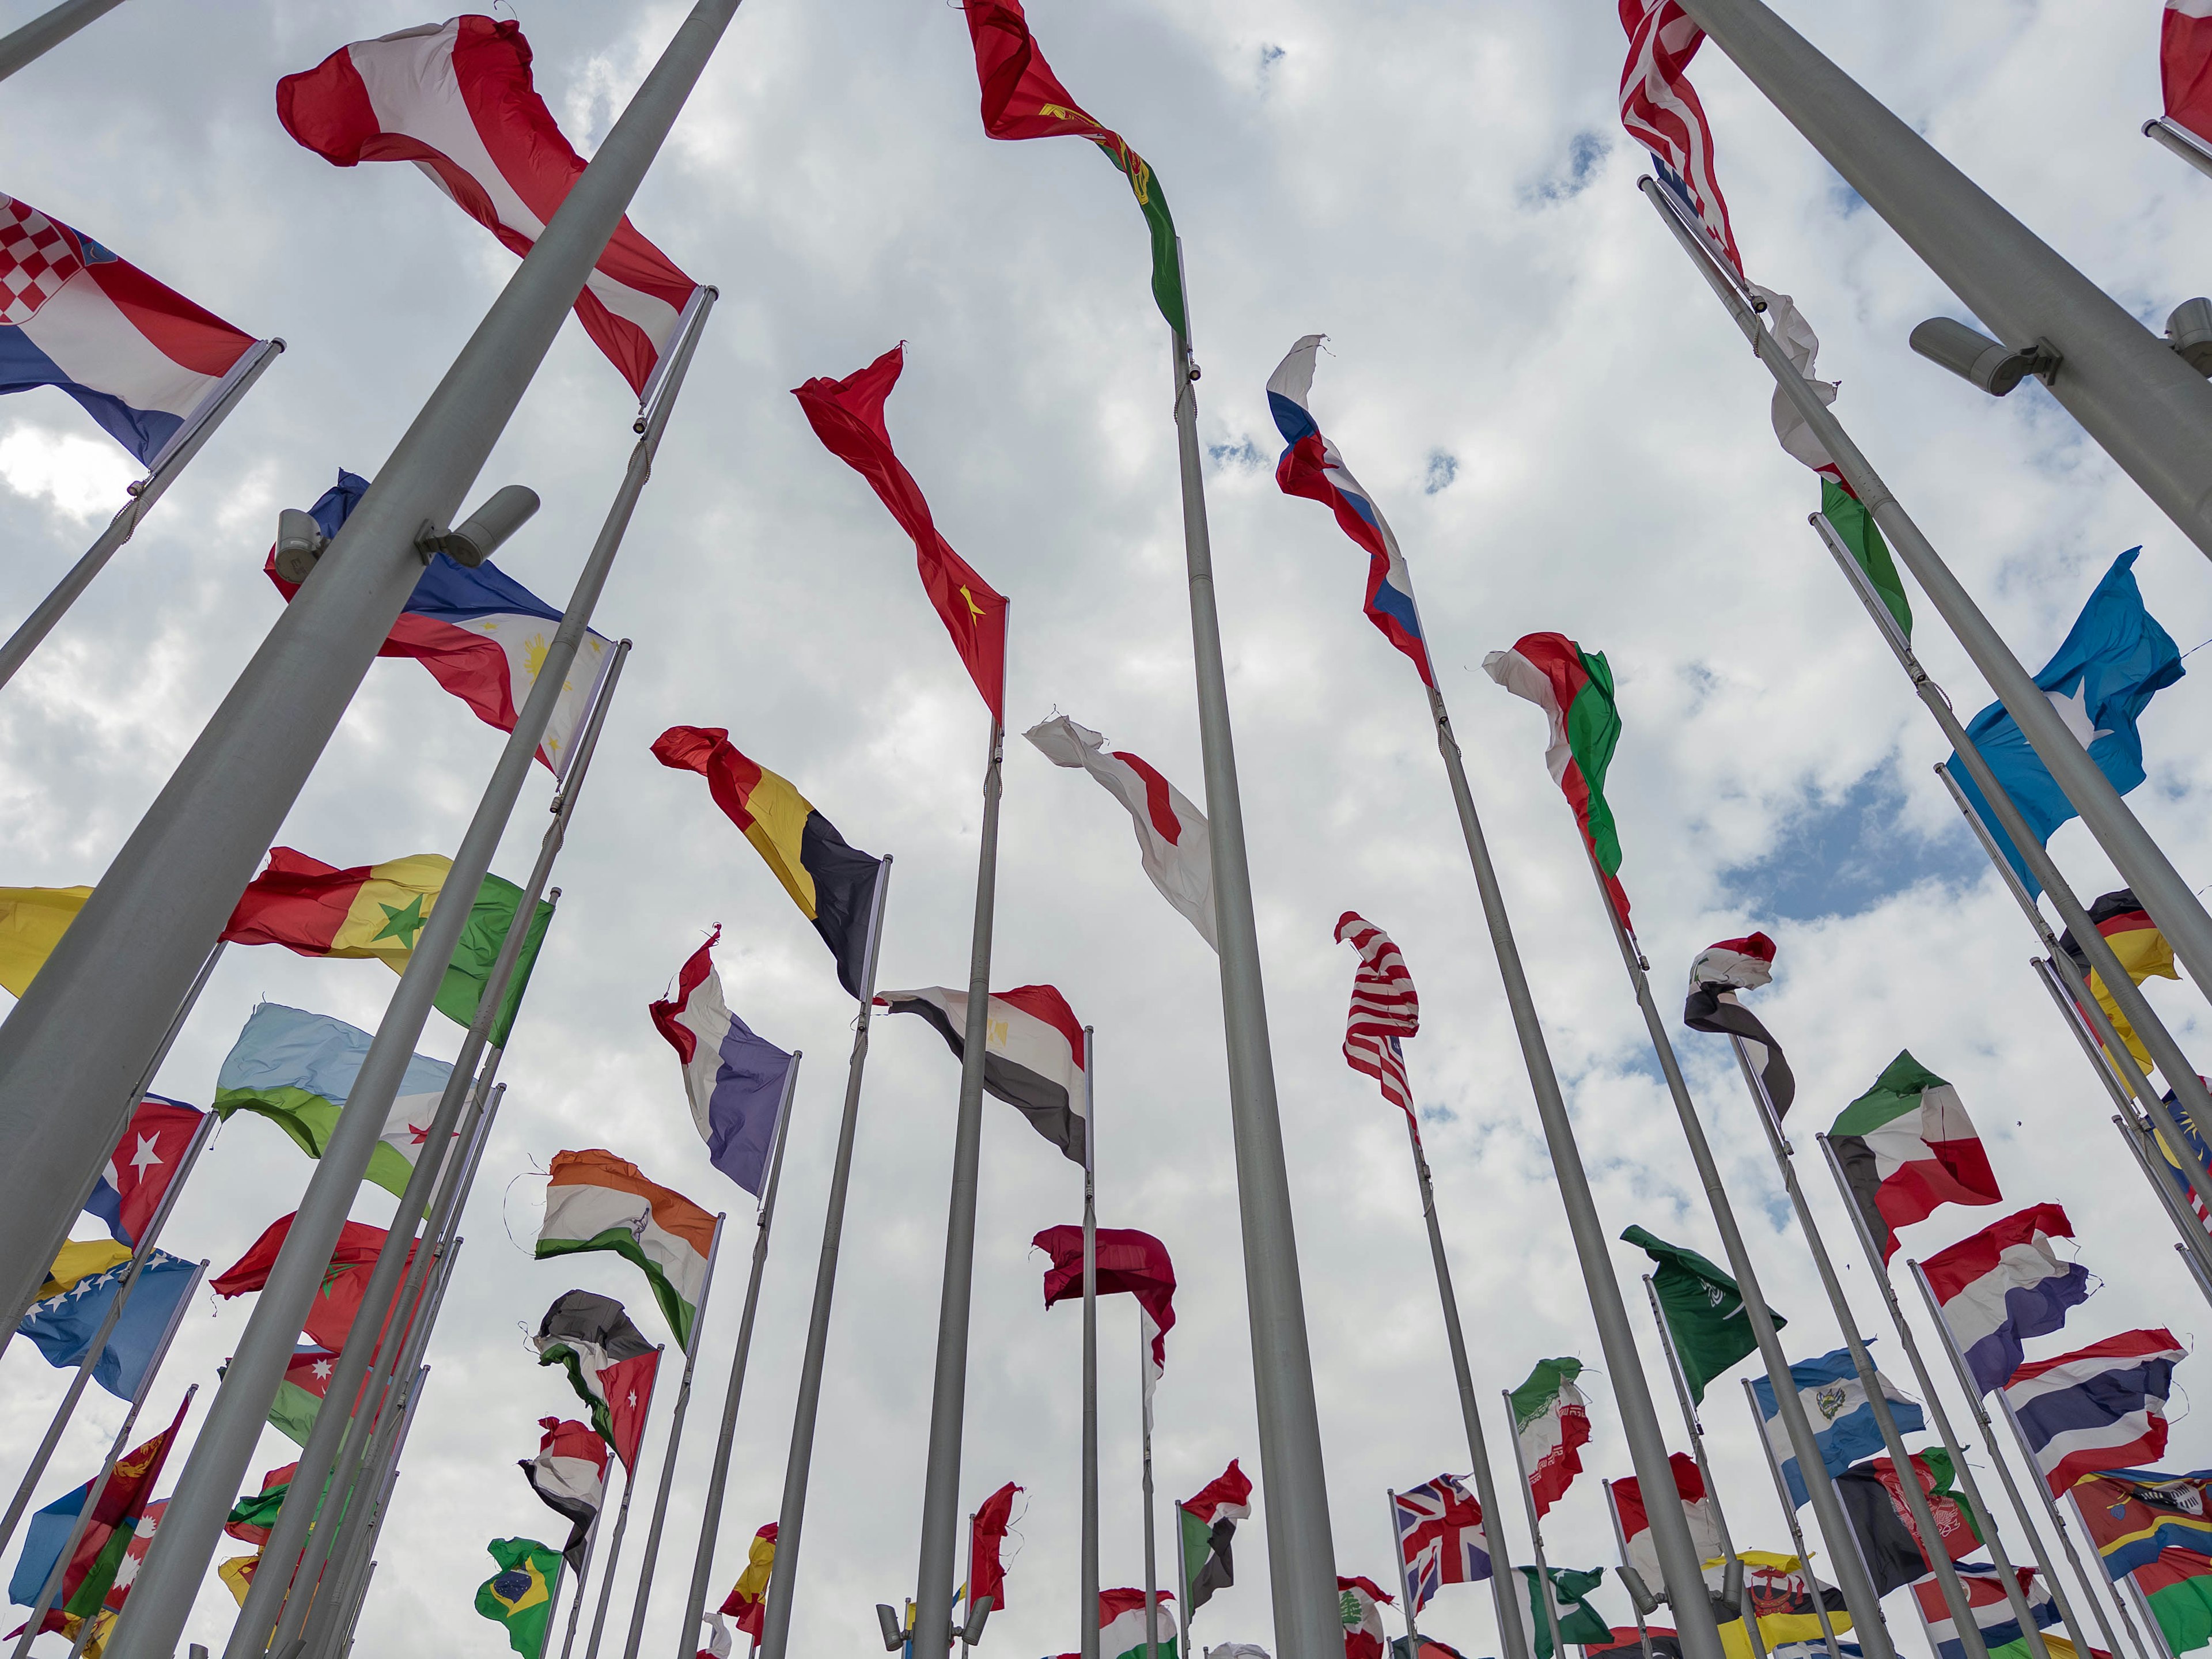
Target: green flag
x,y
1703,1308
520,1594
1855,528
485,930
1580,1624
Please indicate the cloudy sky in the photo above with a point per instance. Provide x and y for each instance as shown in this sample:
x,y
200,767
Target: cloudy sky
x,y
1567,433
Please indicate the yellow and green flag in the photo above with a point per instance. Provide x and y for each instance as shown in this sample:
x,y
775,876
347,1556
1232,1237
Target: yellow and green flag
x,y
520,1595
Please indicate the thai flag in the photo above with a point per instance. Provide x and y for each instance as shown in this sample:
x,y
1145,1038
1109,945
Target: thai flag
x,y
481,635
144,361
2102,1408
1312,468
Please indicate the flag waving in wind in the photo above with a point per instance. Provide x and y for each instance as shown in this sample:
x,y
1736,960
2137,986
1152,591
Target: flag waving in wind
x,y
1907,1147
596,1201
1551,1420
1720,971
734,1079
2184,65
1384,1008
1126,1261
1660,110
1441,1540
1208,1522
1574,687
1171,832
1703,1308
1032,1053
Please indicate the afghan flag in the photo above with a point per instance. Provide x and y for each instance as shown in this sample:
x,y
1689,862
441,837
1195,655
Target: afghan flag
x,y
1720,971
1208,1522
1024,98
377,911
2141,949
747,1601
32,922
1703,1309
1032,1053
253,1517
596,1201
833,886
1574,687
2179,1587
520,1595
610,1364
345,1281
1551,1422
1121,1626
1907,1147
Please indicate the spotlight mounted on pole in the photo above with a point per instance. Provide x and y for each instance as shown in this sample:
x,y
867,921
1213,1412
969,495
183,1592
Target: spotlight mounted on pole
x,y
480,535
1972,356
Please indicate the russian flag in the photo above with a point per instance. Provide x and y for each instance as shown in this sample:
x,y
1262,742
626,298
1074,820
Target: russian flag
x,y
481,635
144,361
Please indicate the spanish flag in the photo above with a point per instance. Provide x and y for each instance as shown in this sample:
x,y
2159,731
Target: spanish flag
x,y
2141,949
833,884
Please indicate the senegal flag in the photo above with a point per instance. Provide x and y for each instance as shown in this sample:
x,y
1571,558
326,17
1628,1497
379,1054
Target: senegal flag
x,y
520,1594
379,910
1703,1308
1574,687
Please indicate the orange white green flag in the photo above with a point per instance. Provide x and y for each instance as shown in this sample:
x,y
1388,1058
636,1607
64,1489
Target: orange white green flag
x,y
596,1201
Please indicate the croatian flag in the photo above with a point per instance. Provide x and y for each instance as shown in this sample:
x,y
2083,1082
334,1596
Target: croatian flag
x,y
1312,468
145,362
1991,1608
144,1162
733,1078
481,635
2003,1285
2101,1407
455,97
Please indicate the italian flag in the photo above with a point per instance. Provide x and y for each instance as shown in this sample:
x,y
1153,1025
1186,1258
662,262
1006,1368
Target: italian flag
x,y
1551,1422
1574,687
596,1201
1907,1147
1121,1625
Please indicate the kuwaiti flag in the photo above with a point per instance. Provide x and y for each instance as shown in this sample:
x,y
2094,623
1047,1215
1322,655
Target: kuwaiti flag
x,y
1835,1403
1991,1608
1641,1551
1032,1052
1574,687
145,362
1121,1633
1312,467
596,1201
2100,1408
610,1364
456,99
733,1080
145,1161
482,635
1907,1146
1551,1420
2004,1284
1171,832
2185,65
569,1474
1720,971
297,1070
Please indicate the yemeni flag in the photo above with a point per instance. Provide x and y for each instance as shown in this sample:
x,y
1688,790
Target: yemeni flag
x,y
1121,1632
2142,952
1208,1522
1574,687
1720,971
733,1080
1579,1623
1032,1052
1639,1549
1126,1261
345,1281
379,910
1703,1309
254,1515
569,1475
596,1201
747,1601
1907,1147
520,1595
1551,1422
610,1364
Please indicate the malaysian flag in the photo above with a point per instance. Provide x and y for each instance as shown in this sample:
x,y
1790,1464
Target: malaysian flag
x,y
1384,1007
1661,110
1440,1538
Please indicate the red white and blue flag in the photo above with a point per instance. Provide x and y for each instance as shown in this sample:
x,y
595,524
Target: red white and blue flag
x,y
144,361
2003,1285
1311,467
144,1162
1992,1609
2102,1408
1440,1538
1384,1008
1659,109
481,635
734,1079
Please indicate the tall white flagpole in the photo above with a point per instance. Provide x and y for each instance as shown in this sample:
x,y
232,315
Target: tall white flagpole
x,y
48,30
1545,1591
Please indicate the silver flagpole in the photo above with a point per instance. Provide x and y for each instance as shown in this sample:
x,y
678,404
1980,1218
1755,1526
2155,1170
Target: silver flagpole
x,y
1145,1398
47,30
791,1516
2119,1600
2162,1648
1087,1608
948,1404
2182,141
1545,1592
583,1573
622,1526
1789,1515
703,1562
356,1589
1620,1547
1397,1550
1182,1585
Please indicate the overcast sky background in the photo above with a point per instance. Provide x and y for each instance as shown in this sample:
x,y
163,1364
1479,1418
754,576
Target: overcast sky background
x,y
1567,433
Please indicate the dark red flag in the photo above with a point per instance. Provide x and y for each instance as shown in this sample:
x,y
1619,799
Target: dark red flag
x,y
987,1530
1128,1260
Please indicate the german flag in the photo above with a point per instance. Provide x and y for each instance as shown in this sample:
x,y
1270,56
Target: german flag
x,y
2141,949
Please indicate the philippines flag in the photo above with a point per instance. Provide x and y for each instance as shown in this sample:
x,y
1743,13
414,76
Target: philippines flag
x,y
1660,110
1312,468
481,635
2102,1408
2003,1285
144,1162
734,1079
1440,1538
456,99
1991,1608
144,361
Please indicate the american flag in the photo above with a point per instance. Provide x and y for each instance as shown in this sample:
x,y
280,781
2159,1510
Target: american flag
x,y
1661,110
1440,1538
1384,1007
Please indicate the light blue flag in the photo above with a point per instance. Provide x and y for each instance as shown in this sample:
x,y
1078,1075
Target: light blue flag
x,y
2115,659
49,1530
63,1324
1835,1405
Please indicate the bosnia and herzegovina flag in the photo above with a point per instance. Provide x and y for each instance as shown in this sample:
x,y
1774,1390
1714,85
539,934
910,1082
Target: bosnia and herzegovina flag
x,y
2141,949
832,884
520,1595
379,910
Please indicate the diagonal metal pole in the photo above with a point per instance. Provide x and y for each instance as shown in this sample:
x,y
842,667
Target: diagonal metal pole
x,y
1545,1591
1087,1607
622,1526
1151,1576
2183,143
1643,1630
48,30
355,1593
1789,1514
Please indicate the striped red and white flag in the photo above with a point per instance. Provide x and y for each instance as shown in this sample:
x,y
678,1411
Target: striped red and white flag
x,y
1384,1008
1659,108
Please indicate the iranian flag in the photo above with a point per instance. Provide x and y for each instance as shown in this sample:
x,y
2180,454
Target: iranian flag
x,y
1574,687
1907,1147
1551,1424
1121,1633
596,1201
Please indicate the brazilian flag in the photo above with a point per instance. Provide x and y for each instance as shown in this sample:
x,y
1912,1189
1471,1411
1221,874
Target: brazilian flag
x,y
520,1594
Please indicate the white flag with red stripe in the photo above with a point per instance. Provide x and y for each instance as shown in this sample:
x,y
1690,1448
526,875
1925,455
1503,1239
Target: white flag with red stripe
x,y
1659,109
1171,834
1384,1008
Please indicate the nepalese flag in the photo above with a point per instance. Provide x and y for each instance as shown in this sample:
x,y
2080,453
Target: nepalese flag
x,y
1313,468
1207,1522
1639,1549
733,1080
456,99
596,1201
2141,948
1441,1540
482,635
2004,1284
2185,65
1720,971
1551,1420
747,1601
345,1280
610,1364
97,1561
144,361
1574,687
2101,1407
847,416
569,1475
1171,832
1907,1147
1032,1053
1992,1609
1126,1260
1660,110
1384,1008
2134,1515
145,1161
1361,1602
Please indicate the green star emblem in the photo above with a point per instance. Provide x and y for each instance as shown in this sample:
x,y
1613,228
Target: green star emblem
x,y
402,924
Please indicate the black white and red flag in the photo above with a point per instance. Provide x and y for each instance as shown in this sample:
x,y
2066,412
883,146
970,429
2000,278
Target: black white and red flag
x,y
610,1364
1032,1052
1720,971
1384,1008
569,1474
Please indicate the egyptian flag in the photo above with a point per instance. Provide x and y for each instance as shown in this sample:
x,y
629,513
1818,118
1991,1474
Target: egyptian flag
x,y
1720,971
1907,1147
2141,949
145,1161
1032,1054
345,1281
1128,1260
987,1531
611,1365
1208,1524
570,1475
833,884
734,1079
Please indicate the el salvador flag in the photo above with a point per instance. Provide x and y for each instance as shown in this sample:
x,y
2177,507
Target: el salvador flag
x,y
2114,662
1835,1405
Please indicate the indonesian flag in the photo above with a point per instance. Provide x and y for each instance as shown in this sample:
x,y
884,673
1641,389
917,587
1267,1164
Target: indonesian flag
x,y
1128,1260
1171,832
1720,971
1574,687
1551,1421
1906,1147
1357,1600
1033,1052
1639,1549
2185,65
456,99
569,1474
733,1080
596,1201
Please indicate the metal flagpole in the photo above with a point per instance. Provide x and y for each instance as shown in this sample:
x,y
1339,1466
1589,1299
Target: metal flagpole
x,y
1544,1591
702,1563
2141,1143
1620,1547
357,1590
47,30
1182,1587
84,1028
1301,1555
2119,1600
1151,1597
323,1596
1087,1608
940,1501
2164,1649
1789,1515
1397,1550
1995,1541
668,1458
173,460
2150,411
791,1516
622,1524
583,1573
2182,141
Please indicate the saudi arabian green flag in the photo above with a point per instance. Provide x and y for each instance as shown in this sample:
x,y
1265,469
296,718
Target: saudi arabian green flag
x,y
1580,1624
1703,1308
520,1594
1855,528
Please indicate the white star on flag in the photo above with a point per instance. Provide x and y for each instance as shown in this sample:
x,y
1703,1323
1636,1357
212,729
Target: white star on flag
x,y
2074,711
146,1153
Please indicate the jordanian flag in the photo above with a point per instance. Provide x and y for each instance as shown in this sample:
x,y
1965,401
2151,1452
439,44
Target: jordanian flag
x,y
1551,1421
1907,1146
1703,1308
596,1201
299,1395
1574,687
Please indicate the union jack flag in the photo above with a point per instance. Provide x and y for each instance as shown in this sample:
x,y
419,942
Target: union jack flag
x,y
1440,1538
1384,1007
1661,110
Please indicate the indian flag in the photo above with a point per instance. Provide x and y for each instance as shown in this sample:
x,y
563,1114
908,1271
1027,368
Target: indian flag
x,y
1574,687
1551,1422
596,1201
1122,1633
